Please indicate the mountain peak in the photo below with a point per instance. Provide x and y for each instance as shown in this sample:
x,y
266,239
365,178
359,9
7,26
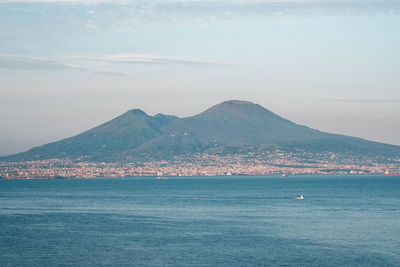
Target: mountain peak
x,y
137,111
236,102
238,109
232,105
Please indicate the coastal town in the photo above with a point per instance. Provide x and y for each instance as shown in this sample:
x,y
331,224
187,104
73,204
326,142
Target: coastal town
x,y
276,163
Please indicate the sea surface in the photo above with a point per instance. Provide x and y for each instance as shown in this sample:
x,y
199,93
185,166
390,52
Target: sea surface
x,y
199,221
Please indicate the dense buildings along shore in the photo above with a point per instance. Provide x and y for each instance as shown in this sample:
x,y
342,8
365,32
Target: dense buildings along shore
x,y
201,165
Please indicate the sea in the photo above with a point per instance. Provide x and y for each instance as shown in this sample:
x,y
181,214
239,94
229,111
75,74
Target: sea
x,y
201,221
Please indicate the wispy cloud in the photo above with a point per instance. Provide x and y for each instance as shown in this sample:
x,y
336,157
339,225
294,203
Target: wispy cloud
x,y
383,101
164,8
95,15
146,59
192,1
18,62
61,1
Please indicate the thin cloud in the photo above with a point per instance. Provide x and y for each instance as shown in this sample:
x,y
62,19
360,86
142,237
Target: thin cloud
x,y
146,59
192,1
104,14
62,1
364,101
17,62
237,7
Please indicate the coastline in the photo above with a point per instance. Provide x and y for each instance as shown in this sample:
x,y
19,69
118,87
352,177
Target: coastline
x,y
332,175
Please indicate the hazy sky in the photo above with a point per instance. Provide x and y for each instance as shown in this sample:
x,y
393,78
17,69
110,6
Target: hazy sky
x,y
67,66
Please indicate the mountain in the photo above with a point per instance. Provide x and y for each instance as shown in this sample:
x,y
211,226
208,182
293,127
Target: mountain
x,y
231,127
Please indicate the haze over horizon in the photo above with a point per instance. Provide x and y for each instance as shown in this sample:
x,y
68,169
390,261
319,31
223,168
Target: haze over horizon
x,y
69,65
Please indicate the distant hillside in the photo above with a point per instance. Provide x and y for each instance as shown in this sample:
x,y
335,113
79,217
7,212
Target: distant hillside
x,y
227,128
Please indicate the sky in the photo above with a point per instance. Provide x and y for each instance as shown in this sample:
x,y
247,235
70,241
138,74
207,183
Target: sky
x,y
69,65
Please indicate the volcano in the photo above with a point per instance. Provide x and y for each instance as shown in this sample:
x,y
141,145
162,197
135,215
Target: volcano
x,y
231,127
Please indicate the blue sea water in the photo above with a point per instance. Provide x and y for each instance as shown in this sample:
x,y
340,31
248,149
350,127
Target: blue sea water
x,y
198,221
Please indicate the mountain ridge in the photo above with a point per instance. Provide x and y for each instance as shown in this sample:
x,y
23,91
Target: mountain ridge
x,y
233,126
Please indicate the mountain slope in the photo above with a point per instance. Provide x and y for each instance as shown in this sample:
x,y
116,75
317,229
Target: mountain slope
x,y
243,126
125,132
229,127
237,123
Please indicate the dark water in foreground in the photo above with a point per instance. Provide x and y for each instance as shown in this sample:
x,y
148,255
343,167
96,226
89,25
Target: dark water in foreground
x,y
343,221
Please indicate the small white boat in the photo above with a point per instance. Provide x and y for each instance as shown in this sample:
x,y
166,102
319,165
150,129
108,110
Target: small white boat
x,y
300,197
